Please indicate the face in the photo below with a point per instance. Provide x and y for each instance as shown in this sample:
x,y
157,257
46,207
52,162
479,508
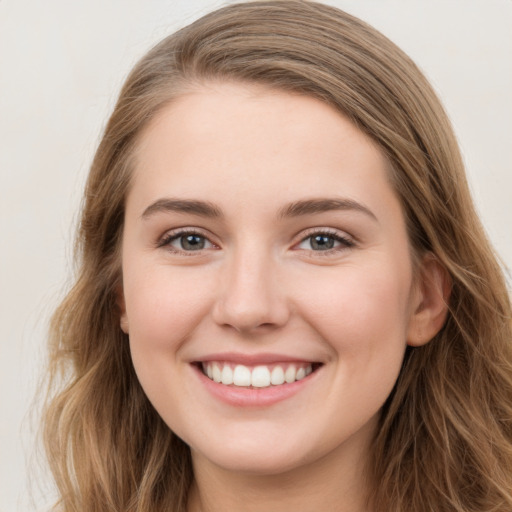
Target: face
x,y
267,281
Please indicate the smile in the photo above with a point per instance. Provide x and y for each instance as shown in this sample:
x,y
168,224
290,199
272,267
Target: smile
x,y
260,376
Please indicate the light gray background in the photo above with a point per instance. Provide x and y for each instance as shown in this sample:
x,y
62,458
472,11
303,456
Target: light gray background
x,y
61,66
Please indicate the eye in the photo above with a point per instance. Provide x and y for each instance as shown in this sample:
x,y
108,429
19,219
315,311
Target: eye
x,y
324,241
186,241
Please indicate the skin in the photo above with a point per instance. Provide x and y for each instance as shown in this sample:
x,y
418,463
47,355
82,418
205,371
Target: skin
x,y
260,286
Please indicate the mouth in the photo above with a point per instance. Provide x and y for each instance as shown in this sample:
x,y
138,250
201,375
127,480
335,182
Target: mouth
x,y
256,376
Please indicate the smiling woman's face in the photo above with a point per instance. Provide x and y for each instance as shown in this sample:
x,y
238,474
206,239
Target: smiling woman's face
x,y
264,244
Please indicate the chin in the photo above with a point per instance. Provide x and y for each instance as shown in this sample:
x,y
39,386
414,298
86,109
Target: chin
x,y
253,457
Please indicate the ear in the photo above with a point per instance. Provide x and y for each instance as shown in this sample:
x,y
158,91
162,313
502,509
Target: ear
x,y
430,301
123,318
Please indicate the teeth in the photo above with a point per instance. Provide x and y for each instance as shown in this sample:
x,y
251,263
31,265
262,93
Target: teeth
x,y
242,376
290,374
227,375
217,375
277,376
258,376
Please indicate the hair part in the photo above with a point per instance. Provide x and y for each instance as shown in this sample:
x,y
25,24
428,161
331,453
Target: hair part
x,y
445,434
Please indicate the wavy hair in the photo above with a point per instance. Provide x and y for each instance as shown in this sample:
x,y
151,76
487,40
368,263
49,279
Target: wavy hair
x,y
445,436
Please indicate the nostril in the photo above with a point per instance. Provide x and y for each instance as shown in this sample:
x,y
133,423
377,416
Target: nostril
x,y
250,327
247,305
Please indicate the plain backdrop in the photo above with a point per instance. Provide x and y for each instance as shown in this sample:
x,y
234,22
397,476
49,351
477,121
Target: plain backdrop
x,y
61,66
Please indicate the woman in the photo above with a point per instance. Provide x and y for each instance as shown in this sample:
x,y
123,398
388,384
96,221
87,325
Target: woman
x,y
285,298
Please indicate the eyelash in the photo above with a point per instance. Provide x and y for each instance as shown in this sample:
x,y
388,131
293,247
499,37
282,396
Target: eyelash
x,y
170,237
345,242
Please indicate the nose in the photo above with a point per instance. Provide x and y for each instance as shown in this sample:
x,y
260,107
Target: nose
x,y
250,298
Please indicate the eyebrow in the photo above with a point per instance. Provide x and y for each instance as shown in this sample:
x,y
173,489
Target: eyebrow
x,y
295,209
201,208
312,206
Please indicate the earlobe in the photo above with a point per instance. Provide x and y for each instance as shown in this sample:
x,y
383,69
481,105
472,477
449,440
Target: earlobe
x,y
123,322
123,318
430,306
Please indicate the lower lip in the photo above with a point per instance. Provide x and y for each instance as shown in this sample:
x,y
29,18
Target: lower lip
x,y
253,397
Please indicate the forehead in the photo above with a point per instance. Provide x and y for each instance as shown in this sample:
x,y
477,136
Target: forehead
x,y
256,142
268,117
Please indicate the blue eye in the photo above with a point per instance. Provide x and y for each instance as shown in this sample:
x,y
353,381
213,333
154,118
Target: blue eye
x,y
324,242
190,242
186,242
321,242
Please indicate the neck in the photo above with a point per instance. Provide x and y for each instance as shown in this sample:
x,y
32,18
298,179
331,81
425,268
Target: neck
x,y
330,483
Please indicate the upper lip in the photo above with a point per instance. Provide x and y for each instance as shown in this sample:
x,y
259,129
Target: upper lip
x,y
253,359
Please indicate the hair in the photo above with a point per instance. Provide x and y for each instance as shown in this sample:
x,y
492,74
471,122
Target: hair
x,y
444,441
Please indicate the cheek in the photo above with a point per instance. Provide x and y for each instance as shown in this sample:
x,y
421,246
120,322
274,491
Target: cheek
x,y
360,309
163,304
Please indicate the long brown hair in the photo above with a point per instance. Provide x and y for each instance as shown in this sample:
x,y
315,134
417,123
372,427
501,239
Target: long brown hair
x,y
445,436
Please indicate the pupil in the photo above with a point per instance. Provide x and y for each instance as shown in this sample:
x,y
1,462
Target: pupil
x,y
322,242
192,242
